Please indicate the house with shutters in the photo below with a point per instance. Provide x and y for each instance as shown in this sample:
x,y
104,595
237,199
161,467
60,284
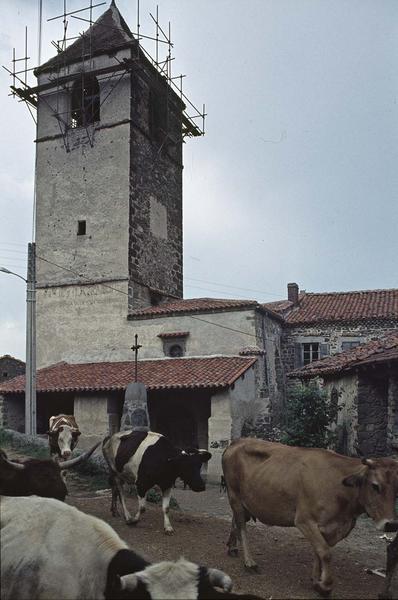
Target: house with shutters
x,y
317,325
363,382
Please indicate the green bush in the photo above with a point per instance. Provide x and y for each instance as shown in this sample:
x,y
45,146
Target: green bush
x,y
309,417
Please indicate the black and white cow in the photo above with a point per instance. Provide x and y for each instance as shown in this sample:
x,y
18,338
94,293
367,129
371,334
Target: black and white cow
x,y
52,550
146,458
63,435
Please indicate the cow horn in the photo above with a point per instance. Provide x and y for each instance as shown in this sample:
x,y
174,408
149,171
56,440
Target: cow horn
x,y
128,582
14,465
219,579
66,464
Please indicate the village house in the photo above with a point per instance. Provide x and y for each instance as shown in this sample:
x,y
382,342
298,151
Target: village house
x,y
363,381
10,367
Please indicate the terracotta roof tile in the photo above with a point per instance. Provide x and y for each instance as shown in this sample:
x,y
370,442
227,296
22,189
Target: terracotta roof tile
x,y
192,305
176,373
383,349
339,306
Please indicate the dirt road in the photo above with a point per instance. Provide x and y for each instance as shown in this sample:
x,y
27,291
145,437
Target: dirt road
x,y
283,555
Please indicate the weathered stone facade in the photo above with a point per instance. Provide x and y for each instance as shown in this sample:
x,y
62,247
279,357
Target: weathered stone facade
x,y
10,367
331,336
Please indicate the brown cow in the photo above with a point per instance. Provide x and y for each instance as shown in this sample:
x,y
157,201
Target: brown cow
x,y
318,491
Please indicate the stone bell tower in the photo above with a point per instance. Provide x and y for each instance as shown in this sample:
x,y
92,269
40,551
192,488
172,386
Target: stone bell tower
x,y
110,128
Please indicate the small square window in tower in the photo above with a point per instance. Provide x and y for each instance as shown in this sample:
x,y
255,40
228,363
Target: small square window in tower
x,y
85,101
81,228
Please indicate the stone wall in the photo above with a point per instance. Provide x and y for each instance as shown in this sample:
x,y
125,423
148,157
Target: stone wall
x,y
332,335
229,411
12,412
155,226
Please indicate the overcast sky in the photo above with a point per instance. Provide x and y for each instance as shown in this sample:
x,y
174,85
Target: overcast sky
x,y
296,178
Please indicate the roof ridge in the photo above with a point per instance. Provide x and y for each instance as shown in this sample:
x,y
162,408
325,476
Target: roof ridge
x,y
351,292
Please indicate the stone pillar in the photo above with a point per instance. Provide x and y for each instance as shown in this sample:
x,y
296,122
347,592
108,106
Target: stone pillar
x,y
220,427
91,415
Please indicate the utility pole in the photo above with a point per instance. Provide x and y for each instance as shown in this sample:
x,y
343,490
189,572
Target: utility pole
x,y
30,388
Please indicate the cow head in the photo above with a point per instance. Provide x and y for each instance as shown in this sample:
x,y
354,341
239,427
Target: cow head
x,y
64,439
377,480
37,477
187,465
179,579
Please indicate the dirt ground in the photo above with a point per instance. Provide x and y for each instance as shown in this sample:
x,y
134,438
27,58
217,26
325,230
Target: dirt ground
x,y
283,555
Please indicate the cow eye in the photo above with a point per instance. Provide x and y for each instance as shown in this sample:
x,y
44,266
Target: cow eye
x,y
376,487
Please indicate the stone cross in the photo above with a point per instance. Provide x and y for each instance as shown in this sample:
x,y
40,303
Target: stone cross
x,y
135,410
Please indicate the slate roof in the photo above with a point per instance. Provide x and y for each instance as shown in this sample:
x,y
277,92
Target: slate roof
x,y
192,305
109,31
163,374
338,306
381,350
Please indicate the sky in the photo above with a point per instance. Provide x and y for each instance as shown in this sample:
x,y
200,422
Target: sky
x,y
296,177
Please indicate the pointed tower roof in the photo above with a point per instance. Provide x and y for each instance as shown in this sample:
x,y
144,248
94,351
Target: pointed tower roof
x,y
110,31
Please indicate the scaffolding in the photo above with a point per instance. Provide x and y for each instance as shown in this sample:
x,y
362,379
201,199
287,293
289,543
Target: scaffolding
x,y
193,119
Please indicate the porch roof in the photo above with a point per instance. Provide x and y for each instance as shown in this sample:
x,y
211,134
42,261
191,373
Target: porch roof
x,y
161,374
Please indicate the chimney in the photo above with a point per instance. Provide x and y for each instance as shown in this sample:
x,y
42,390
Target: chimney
x,y
293,292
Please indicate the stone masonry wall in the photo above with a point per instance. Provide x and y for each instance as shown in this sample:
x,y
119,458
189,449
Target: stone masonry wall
x,y
372,415
10,367
155,226
332,334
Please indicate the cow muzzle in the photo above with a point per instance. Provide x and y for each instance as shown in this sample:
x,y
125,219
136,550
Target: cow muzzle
x,y
66,454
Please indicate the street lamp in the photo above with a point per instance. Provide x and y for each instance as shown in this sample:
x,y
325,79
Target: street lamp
x,y
30,377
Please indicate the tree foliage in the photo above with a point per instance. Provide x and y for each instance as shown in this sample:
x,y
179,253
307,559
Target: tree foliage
x,y
309,417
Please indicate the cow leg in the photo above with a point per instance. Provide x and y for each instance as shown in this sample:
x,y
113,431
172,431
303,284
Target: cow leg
x,y
141,508
126,513
166,495
233,540
240,516
392,561
310,530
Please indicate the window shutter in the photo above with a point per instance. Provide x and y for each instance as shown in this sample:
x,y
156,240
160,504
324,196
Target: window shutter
x,y
324,350
298,356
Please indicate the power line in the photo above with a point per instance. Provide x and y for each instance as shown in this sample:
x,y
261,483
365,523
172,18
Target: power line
x,y
234,287
126,294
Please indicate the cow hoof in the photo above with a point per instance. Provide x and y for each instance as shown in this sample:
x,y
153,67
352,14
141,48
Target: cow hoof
x,y
322,591
252,567
232,552
169,531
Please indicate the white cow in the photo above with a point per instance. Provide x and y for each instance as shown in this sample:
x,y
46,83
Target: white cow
x,y
52,550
